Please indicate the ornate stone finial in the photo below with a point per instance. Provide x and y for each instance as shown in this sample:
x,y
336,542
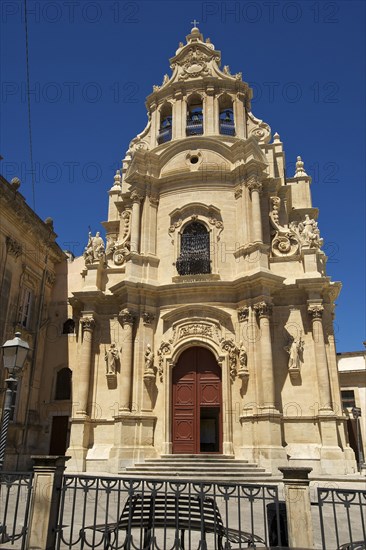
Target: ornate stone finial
x,y
276,138
117,179
126,316
262,309
243,314
15,182
87,323
111,357
300,171
315,311
49,221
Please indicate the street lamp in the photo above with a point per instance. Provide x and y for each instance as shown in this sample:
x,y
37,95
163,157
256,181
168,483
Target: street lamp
x,y
14,354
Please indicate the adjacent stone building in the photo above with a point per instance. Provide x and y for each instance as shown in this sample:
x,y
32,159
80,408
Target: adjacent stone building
x,y
33,273
204,323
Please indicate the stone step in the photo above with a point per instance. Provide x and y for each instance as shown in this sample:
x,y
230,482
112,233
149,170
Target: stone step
x,y
201,456
195,476
197,467
196,460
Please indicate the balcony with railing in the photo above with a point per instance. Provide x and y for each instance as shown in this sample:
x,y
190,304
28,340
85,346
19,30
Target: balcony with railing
x,y
226,123
194,124
165,131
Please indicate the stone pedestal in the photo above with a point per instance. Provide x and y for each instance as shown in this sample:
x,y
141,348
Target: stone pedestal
x,y
297,497
48,472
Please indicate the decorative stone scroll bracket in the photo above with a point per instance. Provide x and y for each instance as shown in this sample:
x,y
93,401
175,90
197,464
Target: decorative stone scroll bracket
x,y
164,349
232,350
126,317
288,240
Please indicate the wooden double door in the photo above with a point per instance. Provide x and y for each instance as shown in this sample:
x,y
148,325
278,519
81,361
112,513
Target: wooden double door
x,y
197,403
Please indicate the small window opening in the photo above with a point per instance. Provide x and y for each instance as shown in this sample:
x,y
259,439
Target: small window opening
x,y
63,384
69,327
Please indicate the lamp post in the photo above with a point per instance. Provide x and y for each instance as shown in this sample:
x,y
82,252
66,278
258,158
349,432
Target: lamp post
x,y
356,411
14,354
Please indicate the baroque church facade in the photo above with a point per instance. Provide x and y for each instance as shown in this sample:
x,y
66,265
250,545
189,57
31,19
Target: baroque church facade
x,y
204,323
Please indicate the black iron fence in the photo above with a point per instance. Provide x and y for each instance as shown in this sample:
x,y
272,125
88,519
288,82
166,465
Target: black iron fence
x,y
15,499
146,514
80,512
342,517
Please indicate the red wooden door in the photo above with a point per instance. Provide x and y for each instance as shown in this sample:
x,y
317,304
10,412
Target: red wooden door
x,y
197,425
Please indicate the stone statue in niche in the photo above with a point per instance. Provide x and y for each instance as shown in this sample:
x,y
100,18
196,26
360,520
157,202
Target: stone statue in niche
x,y
149,359
243,362
111,357
295,349
95,249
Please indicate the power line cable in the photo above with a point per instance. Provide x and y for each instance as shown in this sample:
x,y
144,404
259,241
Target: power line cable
x,y
29,104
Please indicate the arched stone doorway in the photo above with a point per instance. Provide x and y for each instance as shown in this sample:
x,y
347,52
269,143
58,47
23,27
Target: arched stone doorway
x,y
197,403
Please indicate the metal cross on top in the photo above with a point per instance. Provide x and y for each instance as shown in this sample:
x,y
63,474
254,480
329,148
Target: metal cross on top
x,y
194,23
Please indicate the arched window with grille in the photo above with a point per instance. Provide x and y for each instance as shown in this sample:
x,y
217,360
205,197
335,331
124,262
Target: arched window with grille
x,y
194,255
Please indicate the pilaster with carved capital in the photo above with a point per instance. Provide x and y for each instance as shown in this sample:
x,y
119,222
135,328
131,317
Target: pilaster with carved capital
x,y
135,223
263,309
243,314
87,323
266,373
126,317
315,311
125,382
255,188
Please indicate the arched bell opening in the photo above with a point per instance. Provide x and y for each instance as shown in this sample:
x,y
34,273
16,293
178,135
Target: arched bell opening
x,y
166,124
197,403
226,116
194,116
194,255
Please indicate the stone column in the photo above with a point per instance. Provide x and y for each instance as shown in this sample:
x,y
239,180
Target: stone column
x,y
266,374
87,326
151,233
315,310
125,379
239,116
48,472
255,188
135,224
209,114
298,507
155,125
178,114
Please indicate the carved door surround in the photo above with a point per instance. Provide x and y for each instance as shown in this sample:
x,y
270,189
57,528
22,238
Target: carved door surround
x,y
197,403
206,333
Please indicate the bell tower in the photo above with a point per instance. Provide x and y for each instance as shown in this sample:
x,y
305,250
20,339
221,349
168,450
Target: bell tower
x,y
210,295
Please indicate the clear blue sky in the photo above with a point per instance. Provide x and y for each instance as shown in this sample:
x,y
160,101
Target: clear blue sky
x,y
92,63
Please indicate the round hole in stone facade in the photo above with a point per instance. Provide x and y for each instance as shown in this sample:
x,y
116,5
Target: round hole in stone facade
x,y
194,159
